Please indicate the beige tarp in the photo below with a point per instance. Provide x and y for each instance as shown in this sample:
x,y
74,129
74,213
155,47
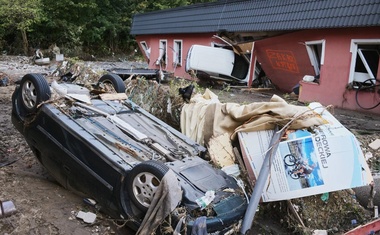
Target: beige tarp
x,y
205,117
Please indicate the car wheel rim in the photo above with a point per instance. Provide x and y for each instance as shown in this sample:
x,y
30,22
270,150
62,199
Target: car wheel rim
x,y
144,186
29,94
108,86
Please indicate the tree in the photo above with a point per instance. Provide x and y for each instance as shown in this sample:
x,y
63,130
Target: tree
x,y
20,15
92,26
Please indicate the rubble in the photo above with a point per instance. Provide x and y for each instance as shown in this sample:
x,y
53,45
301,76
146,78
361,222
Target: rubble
x,y
87,217
333,215
375,145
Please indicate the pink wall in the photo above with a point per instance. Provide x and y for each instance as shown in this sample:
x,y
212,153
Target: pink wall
x,y
187,41
285,60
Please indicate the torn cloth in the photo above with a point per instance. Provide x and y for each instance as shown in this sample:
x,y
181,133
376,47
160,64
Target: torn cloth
x,y
193,115
220,118
165,200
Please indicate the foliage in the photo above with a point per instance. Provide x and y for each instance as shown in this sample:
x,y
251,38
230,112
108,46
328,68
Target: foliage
x,y
163,101
79,28
19,16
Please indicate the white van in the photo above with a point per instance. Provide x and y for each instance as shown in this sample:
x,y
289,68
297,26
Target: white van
x,y
217,63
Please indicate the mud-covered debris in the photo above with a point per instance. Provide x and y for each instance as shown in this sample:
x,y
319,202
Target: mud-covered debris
x,y
163,101
78,72
4,80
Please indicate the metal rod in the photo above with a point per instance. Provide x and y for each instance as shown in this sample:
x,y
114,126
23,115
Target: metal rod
x,y
260,183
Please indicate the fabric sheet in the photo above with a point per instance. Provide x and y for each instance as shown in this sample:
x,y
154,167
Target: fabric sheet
x,y
165,200
205,117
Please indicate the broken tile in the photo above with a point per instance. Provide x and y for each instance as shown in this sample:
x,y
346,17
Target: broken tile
x,y
375,145
87,217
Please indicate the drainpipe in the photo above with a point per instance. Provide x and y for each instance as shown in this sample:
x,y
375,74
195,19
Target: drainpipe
x,y
260,183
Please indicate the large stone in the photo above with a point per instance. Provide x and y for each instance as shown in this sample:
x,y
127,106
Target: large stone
x,y
363,194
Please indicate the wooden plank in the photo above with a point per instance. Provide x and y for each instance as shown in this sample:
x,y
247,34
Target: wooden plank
x,y
113,96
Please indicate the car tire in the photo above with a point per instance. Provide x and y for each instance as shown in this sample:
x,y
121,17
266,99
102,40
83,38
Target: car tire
x,y
143,181
34,89
115,80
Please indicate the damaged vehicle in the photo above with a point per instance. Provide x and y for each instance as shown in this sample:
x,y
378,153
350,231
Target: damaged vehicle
x,y
156,74
217,63
109,149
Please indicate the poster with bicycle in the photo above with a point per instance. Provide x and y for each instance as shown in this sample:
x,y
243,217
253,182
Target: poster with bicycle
x,y
325,159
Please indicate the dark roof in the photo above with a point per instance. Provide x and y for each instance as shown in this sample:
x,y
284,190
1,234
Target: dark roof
x,y
259,15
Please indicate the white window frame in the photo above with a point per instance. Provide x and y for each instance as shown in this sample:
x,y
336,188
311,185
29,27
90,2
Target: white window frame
x,y
177,52
354,76
312,56
146,49
163,51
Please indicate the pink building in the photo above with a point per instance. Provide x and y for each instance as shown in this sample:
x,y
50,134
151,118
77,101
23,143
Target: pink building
x,y
329,48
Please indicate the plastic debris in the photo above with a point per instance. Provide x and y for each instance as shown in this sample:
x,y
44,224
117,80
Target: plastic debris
x,y
233,170
206,199
7,208
325,197
4,81
368,155
179,225
320,232
87,217
353,222
376,212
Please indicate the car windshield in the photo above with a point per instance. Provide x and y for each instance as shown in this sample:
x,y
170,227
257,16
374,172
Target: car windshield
x,y
240,68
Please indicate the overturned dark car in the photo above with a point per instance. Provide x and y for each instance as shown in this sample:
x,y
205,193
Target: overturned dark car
x,y
113,151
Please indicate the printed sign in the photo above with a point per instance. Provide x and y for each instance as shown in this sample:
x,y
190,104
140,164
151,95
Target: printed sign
x,y
283,60
307,163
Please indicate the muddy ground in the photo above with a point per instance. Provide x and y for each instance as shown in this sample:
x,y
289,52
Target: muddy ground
x,y
44,207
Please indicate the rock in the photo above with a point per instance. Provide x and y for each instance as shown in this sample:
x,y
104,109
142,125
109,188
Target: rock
x,y
375,145
363,194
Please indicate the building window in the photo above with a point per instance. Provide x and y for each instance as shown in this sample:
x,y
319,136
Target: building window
x,y
364,60
162,56
145,48
177,53
316,52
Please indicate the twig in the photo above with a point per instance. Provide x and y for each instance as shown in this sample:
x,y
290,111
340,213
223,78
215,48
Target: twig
x,y
295,213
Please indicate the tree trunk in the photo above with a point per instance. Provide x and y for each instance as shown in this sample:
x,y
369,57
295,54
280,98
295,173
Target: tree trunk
x,y
25,41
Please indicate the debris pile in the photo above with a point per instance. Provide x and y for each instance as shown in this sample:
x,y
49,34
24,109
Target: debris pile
x,y
334,212
14,67
78,72
163,101
337,211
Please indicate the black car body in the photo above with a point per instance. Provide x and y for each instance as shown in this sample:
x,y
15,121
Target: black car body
x,y
99,149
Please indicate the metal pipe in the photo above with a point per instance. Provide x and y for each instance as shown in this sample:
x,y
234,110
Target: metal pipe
x,y
260,183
